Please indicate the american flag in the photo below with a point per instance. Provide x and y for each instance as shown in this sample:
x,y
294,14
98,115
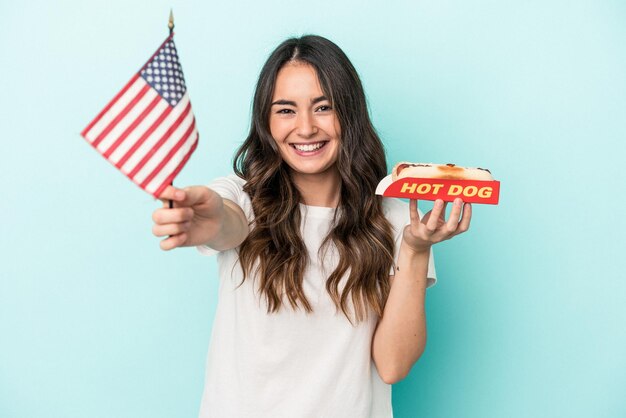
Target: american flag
x,y
148,130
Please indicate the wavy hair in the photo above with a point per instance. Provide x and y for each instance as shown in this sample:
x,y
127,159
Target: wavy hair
x,y
274,250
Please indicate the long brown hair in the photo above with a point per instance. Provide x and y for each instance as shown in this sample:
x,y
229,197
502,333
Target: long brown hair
x,y
274,249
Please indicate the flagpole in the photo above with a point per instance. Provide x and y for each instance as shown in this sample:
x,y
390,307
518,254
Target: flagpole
x,y
170,25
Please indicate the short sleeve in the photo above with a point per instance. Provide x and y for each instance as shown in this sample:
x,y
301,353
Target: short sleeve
x,y
397,213
231,188
431,276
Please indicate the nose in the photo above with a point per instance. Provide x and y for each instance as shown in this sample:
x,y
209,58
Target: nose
x,y
305,125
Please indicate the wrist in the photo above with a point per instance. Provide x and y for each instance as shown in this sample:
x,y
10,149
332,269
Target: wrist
x,y
412,264
414,244
415,251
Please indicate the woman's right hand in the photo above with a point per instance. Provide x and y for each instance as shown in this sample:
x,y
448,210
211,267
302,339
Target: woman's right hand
x,y
195,219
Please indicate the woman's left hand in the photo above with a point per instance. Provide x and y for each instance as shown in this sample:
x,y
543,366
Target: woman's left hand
x,y
422,233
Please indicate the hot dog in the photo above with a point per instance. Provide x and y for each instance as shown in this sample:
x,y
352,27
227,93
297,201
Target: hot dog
x,y
439,171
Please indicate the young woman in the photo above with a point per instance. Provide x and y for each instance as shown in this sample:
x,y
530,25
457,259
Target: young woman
x,y
322,283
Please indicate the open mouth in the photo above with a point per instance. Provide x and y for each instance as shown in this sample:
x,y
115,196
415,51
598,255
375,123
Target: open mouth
x,y
309,148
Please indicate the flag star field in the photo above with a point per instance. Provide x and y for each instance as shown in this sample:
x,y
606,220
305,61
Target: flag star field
x,y
165,74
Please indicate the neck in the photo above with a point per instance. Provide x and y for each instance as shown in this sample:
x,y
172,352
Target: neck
x,y
322,189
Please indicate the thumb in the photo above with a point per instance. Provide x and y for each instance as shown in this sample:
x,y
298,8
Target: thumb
x,y
172,193
187,197
192,195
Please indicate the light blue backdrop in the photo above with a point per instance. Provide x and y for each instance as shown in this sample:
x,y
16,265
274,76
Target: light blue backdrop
x,y
528,317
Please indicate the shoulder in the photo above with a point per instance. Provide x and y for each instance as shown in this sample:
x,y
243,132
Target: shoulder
x,y
396,210
230,181
397,213
231,187
393,205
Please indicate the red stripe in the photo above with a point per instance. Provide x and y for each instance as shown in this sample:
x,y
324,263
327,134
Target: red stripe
x,y
161,141
111,103
144,137
121,115
170,154
132,126
171,177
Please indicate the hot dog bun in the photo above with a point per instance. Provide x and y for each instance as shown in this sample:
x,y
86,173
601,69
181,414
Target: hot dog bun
x,y
439,171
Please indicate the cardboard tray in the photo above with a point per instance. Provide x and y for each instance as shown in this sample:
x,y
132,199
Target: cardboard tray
x,y
471,191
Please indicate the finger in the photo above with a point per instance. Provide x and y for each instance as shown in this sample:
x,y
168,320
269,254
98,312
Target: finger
x,y
172,193
453,220
465,219
195,195
168,216
173,242
415,216
170,229
435,213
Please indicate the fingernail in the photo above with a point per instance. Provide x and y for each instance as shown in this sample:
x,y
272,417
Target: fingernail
x,y
179,194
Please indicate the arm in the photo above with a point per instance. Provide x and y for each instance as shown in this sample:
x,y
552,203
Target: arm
x,y
400,336
200,216
234,228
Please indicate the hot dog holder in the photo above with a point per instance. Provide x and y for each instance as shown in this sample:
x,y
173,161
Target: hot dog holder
x,y
470,191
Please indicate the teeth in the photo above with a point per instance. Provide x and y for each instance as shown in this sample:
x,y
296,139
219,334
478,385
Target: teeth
x,y
308,147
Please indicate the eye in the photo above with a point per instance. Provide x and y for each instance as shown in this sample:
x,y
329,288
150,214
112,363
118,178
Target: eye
x,y
324,108
284,111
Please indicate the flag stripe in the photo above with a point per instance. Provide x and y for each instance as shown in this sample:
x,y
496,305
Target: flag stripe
x,y
115,109
133,125
151,141
166,136
126,120
169,170
180,166
148,134
162,151
173,162
139,135
111,103
165,160
121,115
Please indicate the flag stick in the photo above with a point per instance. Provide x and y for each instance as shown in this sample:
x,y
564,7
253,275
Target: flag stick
x,y
170,25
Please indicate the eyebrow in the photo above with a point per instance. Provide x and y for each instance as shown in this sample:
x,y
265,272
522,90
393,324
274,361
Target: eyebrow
x,y
292,103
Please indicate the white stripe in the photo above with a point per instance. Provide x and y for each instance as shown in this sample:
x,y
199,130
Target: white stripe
x,y
155,136
160,154
134,136
115,109
173,163
127,120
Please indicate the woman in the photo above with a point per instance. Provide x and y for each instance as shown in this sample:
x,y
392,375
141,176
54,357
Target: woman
x,y
322,283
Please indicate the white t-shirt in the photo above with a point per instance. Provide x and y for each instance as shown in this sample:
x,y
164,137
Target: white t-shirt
x,y
292,364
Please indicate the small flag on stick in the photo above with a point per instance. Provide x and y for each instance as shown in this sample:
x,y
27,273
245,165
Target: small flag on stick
x,y
148,130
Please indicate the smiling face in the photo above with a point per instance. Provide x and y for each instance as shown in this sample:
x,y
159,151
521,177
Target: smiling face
x,y
304,124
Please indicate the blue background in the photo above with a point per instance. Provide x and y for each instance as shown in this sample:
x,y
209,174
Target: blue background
x,y
528,316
